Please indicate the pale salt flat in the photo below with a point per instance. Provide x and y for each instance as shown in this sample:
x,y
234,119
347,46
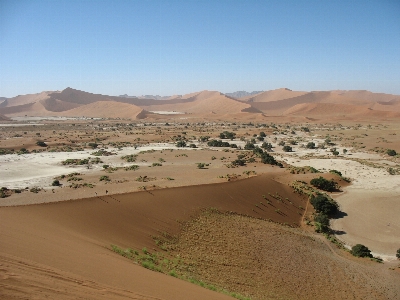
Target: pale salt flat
x,y
39,169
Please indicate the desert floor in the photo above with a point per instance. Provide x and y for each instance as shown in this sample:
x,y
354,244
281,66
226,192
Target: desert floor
x,y
63,234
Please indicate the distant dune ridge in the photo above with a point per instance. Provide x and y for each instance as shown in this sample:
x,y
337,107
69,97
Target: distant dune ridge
x,y
281,102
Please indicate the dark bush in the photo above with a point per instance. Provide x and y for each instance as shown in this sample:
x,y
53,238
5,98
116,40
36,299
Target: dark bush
x,y
181,144
287,148
324,184
239,162
391,152
41,144
310,145
266,146
269,159
324,205
258,151
249,146
361,251
227,135
56,183
398,253
322,223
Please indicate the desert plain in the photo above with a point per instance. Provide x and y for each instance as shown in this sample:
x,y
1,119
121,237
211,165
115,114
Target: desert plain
x,y
107,197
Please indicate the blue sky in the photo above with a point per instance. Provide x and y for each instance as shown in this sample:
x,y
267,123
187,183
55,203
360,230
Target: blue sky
x,y
176,47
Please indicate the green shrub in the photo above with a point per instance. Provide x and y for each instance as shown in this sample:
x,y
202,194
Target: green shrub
x,y
249,146
324,205
361,251
321,223
336,172
391,152
398,253
324,184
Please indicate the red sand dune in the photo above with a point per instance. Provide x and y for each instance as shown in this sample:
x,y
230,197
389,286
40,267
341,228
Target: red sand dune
x,y
106,109
59,250
56,105
369,96
206,102
338,110
273,95
31,109
27,99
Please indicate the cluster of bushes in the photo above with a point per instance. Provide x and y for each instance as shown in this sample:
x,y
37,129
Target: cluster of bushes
x,y
75,161
219,143
266,158
324,184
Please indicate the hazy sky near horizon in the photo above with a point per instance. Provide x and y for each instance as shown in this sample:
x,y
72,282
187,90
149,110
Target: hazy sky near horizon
x,y
176,47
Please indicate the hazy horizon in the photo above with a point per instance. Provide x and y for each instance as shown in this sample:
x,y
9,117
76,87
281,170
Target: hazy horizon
x,y
167,48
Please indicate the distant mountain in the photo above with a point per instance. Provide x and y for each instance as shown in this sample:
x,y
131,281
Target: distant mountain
x,y
240,94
